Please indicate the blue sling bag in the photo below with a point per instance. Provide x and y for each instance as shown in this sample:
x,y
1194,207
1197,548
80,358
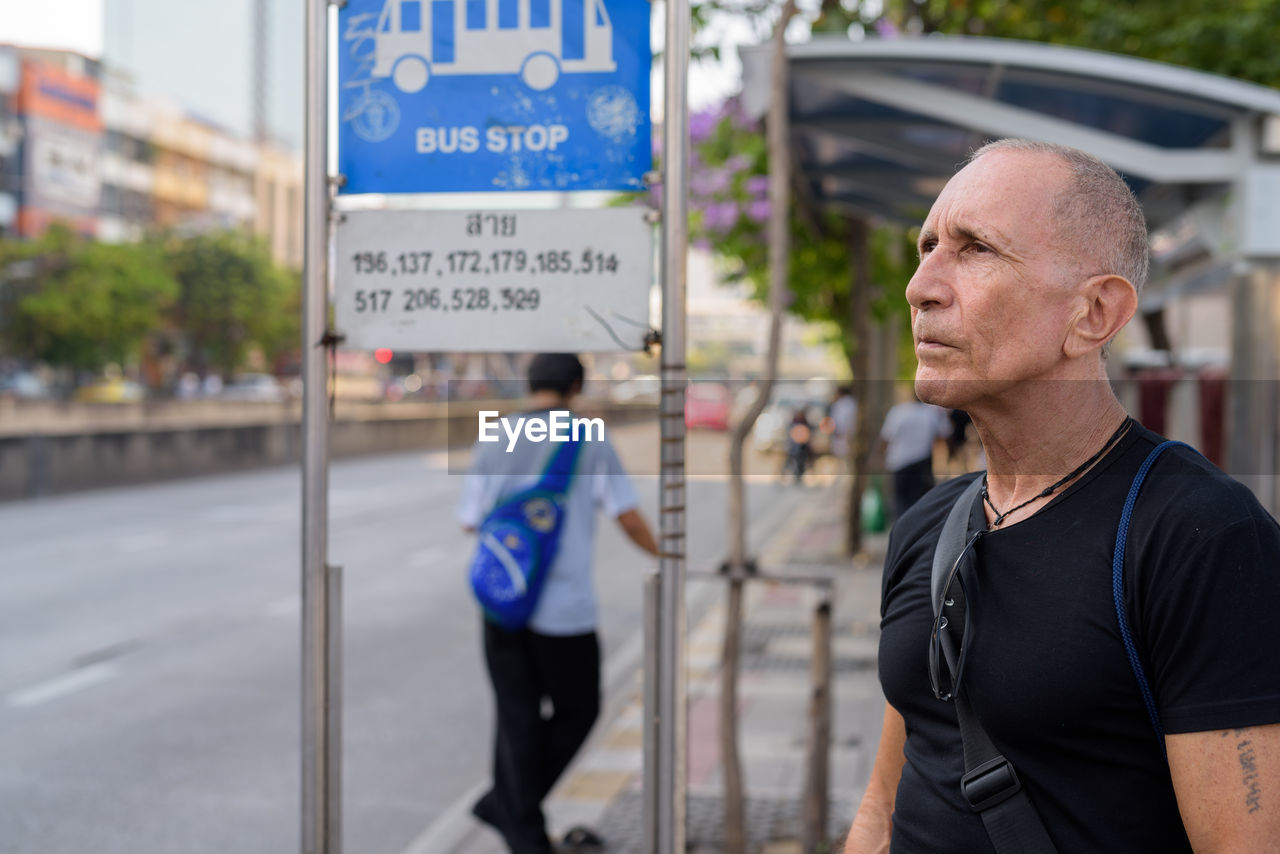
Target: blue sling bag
x,y
518,541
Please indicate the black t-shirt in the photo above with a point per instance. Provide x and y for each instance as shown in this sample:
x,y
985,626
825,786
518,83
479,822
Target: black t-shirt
x,y
1046,669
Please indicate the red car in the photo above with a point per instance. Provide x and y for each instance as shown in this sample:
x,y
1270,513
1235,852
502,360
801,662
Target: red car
x,y
707,405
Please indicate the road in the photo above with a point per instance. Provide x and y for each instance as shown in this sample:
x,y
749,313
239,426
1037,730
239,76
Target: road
x,y
149,652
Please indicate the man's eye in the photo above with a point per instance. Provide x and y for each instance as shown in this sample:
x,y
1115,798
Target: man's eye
x,y
927,246
980,248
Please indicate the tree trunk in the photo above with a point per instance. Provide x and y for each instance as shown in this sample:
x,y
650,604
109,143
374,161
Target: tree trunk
x,y
863,384
735,834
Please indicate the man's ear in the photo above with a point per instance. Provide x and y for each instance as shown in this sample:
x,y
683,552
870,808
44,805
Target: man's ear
x,y
1106,304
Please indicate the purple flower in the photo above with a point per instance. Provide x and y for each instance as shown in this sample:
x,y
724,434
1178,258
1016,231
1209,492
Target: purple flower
x,y
709,182
758,211
886,29
758,185
720,216
703,124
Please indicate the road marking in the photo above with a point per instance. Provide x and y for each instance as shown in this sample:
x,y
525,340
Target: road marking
x,y
61,686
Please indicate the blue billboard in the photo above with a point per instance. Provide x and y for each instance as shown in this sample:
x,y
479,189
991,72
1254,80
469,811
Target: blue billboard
x,y
493,95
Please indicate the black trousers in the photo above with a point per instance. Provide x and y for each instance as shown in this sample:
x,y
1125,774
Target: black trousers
x,y
531,748
910,483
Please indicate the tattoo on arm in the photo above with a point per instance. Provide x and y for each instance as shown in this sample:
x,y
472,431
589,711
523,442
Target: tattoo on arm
x,y
1248,769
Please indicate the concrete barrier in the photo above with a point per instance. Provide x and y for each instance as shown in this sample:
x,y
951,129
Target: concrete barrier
x,y
56,448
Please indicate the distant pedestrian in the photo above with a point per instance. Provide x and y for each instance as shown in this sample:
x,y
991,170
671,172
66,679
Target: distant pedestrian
x,y
958,438
909,432
843,413
553,660
799,446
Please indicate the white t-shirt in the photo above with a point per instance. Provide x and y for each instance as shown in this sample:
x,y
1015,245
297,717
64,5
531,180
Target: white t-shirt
x,y
910,429
567,605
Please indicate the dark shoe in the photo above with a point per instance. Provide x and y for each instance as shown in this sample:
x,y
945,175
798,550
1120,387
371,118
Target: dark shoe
x,y
488,810
582,839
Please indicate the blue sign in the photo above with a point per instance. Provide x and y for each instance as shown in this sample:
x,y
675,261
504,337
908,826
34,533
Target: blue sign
x,y
493,95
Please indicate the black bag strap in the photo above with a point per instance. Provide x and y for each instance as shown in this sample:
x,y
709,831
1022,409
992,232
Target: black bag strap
x,y
990,784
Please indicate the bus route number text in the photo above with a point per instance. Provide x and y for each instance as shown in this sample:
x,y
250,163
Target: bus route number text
x,y
473,262
384,300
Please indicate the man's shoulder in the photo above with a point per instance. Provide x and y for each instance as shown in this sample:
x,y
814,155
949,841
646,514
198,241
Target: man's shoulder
x,y
918,528
932,509
1185,493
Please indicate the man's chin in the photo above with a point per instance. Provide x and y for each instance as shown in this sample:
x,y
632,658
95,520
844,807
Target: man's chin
x,y
934,390
945,391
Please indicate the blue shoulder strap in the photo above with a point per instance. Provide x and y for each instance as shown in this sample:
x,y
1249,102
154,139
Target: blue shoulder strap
x,y
1117,585
559,470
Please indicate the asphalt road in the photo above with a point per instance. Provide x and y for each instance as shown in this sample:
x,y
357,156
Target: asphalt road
x,y
149,653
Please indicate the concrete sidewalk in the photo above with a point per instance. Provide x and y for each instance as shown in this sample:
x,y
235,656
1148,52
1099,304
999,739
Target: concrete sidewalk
x,y
602,789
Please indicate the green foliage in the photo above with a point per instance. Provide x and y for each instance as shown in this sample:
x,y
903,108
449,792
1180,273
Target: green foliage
x,y
231,296
729,213
728,206
1236,39
76,303
80,304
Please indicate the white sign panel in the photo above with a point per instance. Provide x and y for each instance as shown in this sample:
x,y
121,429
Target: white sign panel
x,y
494,281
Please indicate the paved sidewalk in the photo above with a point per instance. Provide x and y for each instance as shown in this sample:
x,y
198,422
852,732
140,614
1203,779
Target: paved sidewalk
x,y
603,788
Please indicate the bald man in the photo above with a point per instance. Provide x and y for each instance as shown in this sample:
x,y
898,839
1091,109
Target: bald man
x,y
1031,261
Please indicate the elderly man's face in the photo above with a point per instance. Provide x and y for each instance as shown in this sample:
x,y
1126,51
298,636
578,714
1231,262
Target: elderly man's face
x,y
991,300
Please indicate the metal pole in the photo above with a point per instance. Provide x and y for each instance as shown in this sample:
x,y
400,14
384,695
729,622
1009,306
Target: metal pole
x,y
670,783
649,818
814,830
319,711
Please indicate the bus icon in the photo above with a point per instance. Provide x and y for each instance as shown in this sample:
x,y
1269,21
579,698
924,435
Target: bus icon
x,y
537,39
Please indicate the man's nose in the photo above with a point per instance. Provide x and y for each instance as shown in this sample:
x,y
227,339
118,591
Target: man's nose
x,y
928,288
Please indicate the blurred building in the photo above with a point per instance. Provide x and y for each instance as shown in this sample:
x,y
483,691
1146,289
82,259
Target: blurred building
x,y
128,168
278,193
53,114
10,141
728,332
236,62
79,146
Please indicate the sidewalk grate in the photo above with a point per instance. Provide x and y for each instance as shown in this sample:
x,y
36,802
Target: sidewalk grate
x,y
768,820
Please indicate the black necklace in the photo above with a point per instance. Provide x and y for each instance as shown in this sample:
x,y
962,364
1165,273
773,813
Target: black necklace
x,y
1000,517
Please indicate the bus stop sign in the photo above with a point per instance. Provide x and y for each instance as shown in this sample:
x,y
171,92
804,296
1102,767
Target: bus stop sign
x,y
493,95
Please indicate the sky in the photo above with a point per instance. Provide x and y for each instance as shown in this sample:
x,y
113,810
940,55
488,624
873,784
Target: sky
x,y
74,24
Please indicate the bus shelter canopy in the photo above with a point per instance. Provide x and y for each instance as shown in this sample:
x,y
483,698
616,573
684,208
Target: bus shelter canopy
x,y
878,126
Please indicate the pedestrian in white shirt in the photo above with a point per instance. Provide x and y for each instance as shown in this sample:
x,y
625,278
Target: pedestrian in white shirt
x,y
909,432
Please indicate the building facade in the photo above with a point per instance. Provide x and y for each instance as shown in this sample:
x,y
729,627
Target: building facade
x,y
78,146
61,144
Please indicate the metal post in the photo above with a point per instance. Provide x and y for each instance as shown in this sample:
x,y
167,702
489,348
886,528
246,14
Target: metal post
x,y
320,722
649,819
814,832
670,778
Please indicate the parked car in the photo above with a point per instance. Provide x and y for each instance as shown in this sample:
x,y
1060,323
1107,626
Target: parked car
x,y
257,387
707,405
642,389
24,385
112,389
